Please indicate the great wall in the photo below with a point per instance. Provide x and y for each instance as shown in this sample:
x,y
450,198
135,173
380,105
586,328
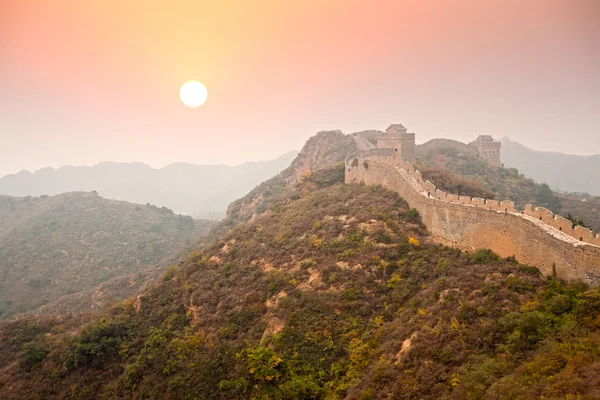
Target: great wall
x,y
534,236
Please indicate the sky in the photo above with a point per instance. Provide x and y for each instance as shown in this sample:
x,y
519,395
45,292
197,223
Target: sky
x,y
98,80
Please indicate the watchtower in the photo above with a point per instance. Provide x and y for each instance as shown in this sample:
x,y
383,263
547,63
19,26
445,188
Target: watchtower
x,y
488,149
397,138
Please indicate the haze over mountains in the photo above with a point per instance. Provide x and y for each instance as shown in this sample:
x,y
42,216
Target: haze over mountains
x,y
563,172
202,191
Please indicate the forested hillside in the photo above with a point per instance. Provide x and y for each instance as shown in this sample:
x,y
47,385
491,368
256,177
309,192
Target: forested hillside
x,y
79,250
335,293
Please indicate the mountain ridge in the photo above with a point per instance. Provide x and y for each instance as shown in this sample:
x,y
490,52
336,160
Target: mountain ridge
x,y
564,172
198,190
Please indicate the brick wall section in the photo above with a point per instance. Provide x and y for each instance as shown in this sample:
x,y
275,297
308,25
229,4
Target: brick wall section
x,y
481,224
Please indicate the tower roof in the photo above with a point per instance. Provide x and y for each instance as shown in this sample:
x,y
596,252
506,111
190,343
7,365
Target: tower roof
x,y
397,127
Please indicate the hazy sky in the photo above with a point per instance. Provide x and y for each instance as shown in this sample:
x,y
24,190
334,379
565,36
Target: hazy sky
x,y
95,80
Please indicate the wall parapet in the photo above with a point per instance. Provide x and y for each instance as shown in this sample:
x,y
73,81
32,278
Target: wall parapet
x,y
372,154
576,251
542,214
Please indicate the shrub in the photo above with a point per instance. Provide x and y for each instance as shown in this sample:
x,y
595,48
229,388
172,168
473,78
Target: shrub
x,y
526,269
32,355
413,241
263,364
412,215
527,329
560,304
99,343
170,273
483,256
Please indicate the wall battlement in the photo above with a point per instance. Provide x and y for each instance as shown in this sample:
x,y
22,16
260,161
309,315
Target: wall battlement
x,y
534,236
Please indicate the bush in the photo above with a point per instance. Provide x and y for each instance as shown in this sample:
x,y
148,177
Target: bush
x,y
170,273
527,329
412,216
483,256
99,343
32,355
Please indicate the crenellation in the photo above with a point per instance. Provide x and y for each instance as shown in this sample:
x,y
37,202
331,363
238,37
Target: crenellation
x,y
478,202
453,198
530,210
492,204
489,224
409,167
544,215
507,206
563,225
584,234
430,186
418,176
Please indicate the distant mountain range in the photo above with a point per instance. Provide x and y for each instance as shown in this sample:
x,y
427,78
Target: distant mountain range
x,y
562,172
202,191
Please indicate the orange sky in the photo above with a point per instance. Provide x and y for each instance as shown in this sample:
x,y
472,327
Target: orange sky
x,y
88,81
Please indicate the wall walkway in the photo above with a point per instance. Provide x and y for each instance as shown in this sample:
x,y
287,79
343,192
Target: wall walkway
x,y
534,236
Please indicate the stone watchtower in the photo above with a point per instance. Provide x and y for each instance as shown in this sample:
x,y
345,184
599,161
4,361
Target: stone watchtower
x,y
397,138
488,149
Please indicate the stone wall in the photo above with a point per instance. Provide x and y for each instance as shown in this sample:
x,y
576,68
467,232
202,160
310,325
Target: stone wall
x,y
362,141
534,236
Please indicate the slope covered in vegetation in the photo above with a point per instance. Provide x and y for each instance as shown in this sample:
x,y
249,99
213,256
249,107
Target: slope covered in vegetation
x,y
454,168
321,151
77,250
334,293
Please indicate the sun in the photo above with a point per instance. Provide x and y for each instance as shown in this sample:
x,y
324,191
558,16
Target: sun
x,y
193,94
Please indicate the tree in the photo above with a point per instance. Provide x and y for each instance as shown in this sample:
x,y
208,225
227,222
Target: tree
x,y
575,221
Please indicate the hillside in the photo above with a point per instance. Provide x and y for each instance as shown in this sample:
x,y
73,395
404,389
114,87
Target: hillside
x,y
335,293
453,167
321,151
562,172
78,250
202,191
